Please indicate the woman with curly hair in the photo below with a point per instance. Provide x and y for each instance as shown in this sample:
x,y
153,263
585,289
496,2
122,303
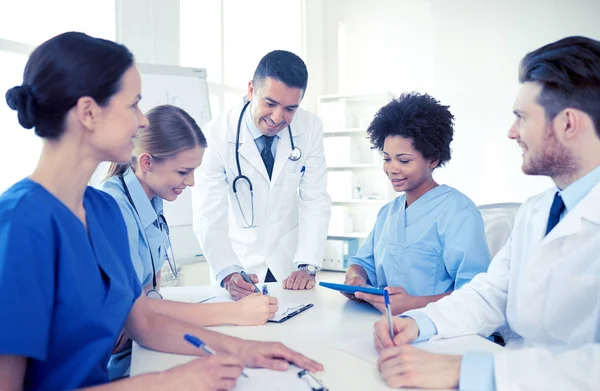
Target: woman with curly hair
x,y
430,240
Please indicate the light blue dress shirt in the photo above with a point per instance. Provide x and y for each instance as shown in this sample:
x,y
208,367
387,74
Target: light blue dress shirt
x,y
260,144
436,245
144,231
66,290
477,368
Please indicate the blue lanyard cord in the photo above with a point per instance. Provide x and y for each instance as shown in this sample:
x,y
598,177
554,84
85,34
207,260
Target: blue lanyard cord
x,y
128,194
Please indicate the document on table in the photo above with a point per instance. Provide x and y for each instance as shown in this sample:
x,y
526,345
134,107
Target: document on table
x,y
294,379
286,309
364,347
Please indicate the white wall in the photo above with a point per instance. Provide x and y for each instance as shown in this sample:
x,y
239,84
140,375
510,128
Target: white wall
x,y
463,52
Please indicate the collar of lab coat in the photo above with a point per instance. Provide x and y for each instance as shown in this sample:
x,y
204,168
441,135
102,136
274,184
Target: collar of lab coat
x,y
586,210
248,147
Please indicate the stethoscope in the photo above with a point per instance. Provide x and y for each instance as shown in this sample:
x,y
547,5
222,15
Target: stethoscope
x,y
154,293
295,155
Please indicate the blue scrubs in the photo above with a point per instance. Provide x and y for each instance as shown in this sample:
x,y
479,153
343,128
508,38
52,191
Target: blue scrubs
x,y
65,292
434,246
146,234
140,226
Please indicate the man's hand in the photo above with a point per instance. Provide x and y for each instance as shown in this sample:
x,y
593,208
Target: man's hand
x,y
237,287
400,301
410,367
274,355
355,280
298,280
405,330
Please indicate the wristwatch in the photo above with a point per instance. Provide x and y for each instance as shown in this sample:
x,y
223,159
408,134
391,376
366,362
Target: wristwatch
x,y
311,269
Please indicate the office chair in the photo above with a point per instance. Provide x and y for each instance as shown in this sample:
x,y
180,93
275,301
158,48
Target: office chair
x,y
498,220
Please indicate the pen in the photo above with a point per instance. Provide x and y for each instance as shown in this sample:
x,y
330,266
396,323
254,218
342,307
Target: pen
x,y
197,342
249,280
386,297
265,290
303,170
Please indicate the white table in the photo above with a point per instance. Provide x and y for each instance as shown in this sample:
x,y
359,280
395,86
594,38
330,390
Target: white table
x,y
333,319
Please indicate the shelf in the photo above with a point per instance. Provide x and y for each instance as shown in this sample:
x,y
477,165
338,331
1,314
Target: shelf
x,y
355,166
359,201
345,132
350,235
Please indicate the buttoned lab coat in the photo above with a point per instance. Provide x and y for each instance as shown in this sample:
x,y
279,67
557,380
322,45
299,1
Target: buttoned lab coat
x,y
548,290
292,209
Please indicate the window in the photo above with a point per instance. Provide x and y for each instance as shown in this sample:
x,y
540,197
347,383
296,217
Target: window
x,y
18,21
20,31
229,37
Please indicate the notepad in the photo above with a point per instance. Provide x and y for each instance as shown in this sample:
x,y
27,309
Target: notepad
x,y
287,310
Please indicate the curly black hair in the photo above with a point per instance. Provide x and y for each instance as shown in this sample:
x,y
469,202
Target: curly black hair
x,y
418,117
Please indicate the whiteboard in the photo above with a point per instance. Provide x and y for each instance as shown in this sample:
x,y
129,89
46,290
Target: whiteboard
x,y
179,86
186,88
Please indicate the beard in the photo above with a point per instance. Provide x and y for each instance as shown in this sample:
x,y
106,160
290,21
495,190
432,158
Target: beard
x,y
554,160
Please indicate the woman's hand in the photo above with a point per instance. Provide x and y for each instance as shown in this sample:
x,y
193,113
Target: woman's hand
x,y
255,309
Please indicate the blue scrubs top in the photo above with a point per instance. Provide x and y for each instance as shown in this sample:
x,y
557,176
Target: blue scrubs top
x,y
434,246
140,227
65,292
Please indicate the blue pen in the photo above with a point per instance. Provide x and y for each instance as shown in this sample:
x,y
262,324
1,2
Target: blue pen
x,y
386,297
197,342
303,170
247,278
265,290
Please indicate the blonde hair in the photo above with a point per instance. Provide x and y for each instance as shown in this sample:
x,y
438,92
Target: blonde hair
x,y
171,131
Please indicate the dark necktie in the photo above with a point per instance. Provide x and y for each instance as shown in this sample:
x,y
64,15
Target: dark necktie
x,y
267,155
555,210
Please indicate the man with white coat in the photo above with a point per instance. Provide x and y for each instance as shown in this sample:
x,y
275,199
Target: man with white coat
x,y
260,201
545,282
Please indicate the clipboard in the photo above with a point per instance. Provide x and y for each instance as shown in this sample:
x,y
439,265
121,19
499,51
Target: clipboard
x,y
291,312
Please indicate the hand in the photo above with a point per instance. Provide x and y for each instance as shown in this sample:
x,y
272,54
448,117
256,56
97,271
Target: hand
x,y
405,330
298,280
355,280
237,287
255,309
211,373
407,366
400,301
274,355
122,342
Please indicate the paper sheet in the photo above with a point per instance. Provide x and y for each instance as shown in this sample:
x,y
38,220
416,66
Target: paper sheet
x,y
364,347
266,379
285,308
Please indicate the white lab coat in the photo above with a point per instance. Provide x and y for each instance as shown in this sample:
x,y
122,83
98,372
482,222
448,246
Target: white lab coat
x,y
291,211
548,290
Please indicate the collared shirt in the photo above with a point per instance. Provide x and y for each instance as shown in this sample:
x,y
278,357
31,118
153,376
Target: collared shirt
x,y
257,135
143,227
477,368
66,291
576,191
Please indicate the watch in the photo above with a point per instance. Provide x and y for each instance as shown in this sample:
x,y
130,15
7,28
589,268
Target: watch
x,y
311,269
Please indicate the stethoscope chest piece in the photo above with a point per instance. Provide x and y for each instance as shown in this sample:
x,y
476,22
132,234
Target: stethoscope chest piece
x,y
296,154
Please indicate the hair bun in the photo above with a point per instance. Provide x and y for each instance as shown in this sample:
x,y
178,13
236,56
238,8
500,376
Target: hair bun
x,y
21,99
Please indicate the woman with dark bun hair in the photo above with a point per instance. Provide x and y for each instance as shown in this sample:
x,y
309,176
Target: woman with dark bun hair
x,y
66,276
